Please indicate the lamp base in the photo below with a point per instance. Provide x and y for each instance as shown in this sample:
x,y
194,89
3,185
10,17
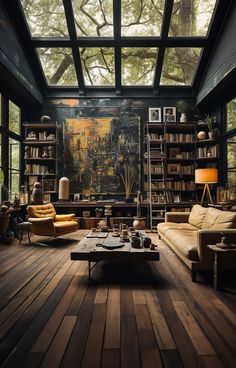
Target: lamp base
x,y
206,191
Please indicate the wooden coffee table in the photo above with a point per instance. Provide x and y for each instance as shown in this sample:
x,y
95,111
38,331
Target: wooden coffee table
x,y
92,250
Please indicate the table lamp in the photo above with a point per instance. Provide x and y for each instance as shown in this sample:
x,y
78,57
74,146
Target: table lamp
x,y
206,176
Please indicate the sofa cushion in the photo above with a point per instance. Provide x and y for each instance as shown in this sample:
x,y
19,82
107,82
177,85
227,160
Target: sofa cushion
x,y
185,241
164,226
217,219
197,215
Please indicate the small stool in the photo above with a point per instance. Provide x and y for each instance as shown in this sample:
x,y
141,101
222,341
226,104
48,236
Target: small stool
x,y
24,226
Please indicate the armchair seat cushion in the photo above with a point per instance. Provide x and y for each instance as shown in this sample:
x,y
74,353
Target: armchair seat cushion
x,y
63,227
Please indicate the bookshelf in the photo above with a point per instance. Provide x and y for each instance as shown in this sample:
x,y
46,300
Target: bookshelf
x,y
40,155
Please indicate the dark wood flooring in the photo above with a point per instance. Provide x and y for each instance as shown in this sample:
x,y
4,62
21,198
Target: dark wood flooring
x,y
131,315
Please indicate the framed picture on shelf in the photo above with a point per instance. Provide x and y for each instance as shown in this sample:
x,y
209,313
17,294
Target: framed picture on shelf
x,y
49,185
154,114
46,198
31,180
176,197
86,213
173,169
169,114
174,152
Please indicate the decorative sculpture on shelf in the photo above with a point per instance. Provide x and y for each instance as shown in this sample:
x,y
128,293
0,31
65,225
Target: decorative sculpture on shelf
x,y
37,195
45,119
64,189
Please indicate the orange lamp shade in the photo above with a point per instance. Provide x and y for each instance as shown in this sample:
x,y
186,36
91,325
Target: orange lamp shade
x,y
208,175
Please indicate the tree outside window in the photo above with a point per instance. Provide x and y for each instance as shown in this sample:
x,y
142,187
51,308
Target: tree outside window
x,y
14,118
14,167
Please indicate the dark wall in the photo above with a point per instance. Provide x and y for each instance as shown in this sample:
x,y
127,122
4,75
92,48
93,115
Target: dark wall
x,y
59,110
219,84
16,76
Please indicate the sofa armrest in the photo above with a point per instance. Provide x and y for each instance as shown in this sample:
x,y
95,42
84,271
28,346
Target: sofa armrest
x,y
177,217
207,237
65,217
42,226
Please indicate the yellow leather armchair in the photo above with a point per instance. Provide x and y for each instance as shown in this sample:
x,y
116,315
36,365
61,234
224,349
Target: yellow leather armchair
x,y
44,221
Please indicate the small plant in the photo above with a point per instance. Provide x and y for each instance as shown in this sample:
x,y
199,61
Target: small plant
x,y
210,120
181,106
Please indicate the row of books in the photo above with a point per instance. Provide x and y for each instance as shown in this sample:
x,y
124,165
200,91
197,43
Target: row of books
x,y
155,169
180,185
36,169
179,137
212,151
156,136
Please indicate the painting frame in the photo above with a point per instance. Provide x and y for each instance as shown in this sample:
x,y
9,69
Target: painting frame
x,y
49,185
46,198
169,113
154,114
173,169
173,152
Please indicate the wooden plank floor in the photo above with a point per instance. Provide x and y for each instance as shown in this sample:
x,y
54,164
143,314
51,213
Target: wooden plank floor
x,y
131,315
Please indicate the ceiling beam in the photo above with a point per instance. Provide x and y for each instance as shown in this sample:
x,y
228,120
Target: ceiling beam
x,y
74,44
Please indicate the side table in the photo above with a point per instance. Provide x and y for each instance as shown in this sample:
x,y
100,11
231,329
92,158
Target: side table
x,y
217,267
24,226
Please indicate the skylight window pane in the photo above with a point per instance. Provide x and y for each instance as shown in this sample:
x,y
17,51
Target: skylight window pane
x,y
98,66
191,18
93,18
179,66
138,65
45,18
141,18
58,66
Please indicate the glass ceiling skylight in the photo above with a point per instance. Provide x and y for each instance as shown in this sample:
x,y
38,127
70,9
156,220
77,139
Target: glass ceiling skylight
x,y
45,18
179,66
93,18
98,66
58,66
138,65
141,18
191,18
123,51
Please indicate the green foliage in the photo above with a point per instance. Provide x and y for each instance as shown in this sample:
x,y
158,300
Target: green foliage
x,y
210,120
231,115
181,106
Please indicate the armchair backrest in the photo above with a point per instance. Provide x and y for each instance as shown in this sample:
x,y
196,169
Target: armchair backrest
x,y
41,210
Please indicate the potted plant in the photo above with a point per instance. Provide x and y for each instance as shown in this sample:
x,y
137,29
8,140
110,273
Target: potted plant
x,y
182,107
210,120
98,212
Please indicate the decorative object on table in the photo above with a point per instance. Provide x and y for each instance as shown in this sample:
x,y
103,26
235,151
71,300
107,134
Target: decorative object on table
x,y
206,176
201,135
37,196
147,242
210,120
45,119
154,114
169,114
182,107
16,201
64,189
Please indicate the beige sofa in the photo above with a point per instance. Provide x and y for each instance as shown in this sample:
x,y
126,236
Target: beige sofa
x,y
189,233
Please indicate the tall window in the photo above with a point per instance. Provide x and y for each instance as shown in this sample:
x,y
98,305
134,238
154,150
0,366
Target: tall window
x,y
230,138
14,118
14,167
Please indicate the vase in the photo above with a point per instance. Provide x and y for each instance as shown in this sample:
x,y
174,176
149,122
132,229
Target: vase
x,y
64,189
139,223
201,135
213,135
183,118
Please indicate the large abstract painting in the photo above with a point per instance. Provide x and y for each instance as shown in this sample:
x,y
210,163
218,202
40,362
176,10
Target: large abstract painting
x,y
101,154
